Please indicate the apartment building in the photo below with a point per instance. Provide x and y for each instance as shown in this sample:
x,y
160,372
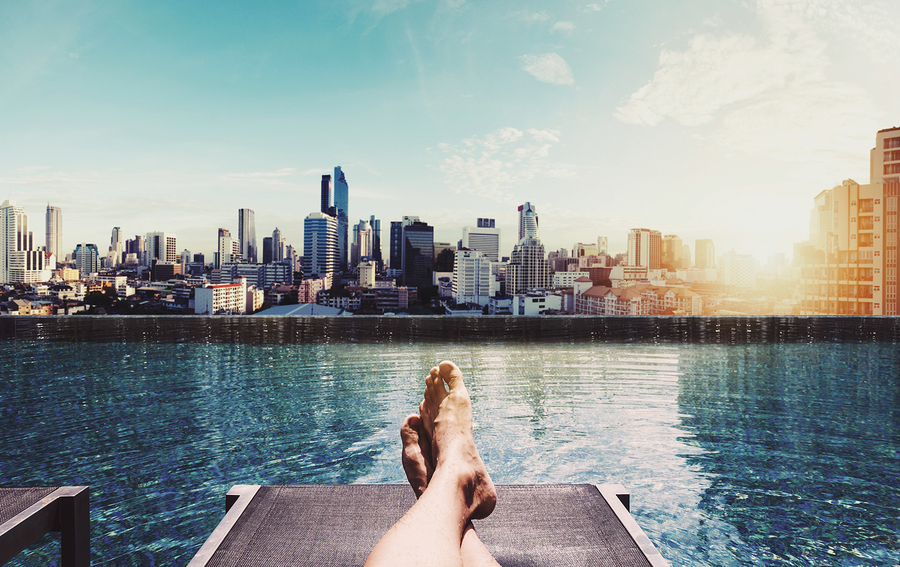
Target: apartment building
x,y
853,269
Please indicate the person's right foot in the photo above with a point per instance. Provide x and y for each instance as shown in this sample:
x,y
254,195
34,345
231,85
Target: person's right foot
x,y
447,420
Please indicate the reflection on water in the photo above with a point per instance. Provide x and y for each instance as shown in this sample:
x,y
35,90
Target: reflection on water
x,y
734,454
800,449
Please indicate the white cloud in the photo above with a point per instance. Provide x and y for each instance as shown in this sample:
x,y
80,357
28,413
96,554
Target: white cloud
x,y
565,27
497,164
544,135
596,6
767,94
549,68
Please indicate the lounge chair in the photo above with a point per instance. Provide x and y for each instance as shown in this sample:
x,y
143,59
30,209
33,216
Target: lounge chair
x,y
337,525
27,513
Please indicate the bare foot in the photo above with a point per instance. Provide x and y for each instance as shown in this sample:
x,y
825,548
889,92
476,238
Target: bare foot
x,y
447,420
416,456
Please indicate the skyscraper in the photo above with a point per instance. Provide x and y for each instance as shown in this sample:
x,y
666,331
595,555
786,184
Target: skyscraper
x,y
704,254
396,245
376,239
644,248
19,261
417,254
485,238
247,235
362,242
672,251
528,222
320,247
54,232
603,245
325,200
87,259
116,247
267,249
527,267
342,209
277,246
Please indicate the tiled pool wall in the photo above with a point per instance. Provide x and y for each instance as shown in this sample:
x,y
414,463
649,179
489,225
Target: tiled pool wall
x,y
441,329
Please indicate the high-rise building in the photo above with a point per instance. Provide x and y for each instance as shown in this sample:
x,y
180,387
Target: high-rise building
x,y
362,242
267,249
396,245
471,277
199,259
644,248
376,239
738,270
247,235
277,245
417,261
162,247
853,231
484,237
603,245
54,232
19,260
225,249
342,209
528,222
185,257
396,252
87,259
704,254
686,256
116,248
320,253
672,252
527,267
325,200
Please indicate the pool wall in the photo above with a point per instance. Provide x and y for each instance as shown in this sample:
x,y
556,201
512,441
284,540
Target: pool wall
x,y
441,329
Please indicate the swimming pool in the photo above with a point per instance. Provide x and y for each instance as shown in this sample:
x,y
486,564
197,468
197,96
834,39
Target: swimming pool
x,y
740,454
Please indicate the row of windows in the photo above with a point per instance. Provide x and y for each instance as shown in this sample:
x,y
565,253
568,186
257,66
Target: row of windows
x,y
892,156
891,143
891,168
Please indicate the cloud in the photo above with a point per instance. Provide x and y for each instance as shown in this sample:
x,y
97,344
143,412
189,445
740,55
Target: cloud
x,y
549,68
767,94
31,176
499,163
564,27
596,6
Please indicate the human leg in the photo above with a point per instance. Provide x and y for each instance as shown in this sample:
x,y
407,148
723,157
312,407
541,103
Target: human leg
x,y
459,488
416,458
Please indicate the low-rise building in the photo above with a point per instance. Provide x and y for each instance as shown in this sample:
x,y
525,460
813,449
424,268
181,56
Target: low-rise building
x,y
221,299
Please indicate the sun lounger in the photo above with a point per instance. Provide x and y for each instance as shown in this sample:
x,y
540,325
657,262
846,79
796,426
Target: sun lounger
x,y
337,525
26,514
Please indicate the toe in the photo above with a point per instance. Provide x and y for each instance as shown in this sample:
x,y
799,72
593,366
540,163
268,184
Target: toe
x,y
451,374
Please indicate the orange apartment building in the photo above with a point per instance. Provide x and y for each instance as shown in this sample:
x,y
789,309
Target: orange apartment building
x,y
854,231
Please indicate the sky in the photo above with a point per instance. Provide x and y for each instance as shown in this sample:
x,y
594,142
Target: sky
x,y
710,119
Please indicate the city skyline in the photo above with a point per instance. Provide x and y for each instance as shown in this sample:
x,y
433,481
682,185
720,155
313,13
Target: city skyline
x,y
716,121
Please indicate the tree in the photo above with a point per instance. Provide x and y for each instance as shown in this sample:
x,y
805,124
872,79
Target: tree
x,y
98,299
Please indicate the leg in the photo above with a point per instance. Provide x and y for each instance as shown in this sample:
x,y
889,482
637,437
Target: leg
x,y
460,488
417,464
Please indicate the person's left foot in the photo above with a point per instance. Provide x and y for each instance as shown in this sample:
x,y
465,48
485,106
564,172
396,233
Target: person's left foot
x,y
416,456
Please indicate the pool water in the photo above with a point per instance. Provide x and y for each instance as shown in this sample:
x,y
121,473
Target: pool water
x,y
734,454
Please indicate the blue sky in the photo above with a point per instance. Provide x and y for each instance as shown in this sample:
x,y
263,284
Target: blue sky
x,y
706,119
